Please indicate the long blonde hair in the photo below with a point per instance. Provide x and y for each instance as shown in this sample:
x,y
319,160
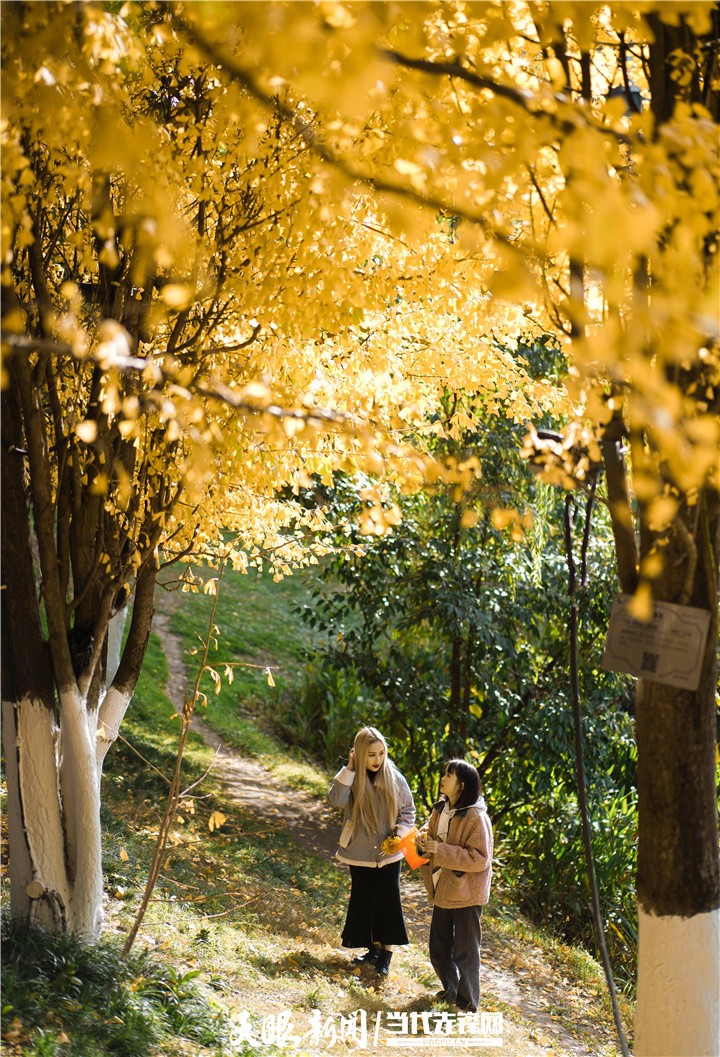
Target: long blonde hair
x,y
375,804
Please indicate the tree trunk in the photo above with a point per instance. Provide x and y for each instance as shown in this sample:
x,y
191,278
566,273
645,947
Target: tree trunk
x,y
116,630
81,803
117,699
679,946
678,865
42,816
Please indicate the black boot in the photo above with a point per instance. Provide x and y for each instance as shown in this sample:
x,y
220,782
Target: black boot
x,y
369,958
382,965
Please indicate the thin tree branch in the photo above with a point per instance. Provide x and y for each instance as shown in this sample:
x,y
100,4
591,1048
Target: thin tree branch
x,y
523,98
619,504
174,793
141,757
573,588
42,502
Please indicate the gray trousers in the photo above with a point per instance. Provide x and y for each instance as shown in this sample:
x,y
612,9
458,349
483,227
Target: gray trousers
x,y
455,939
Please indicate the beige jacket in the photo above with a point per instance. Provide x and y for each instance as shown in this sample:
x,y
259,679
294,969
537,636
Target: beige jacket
x,y
465,858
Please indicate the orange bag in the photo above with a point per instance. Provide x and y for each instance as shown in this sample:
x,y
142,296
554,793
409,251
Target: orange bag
x,y
407,847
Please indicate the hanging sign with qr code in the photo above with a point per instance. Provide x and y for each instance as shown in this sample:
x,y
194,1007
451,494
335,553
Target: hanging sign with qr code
x,y
668,648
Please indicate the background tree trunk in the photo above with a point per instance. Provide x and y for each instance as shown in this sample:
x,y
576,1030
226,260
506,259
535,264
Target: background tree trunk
x,y
678,866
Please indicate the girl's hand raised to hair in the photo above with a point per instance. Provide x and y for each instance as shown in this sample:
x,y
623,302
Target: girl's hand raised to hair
x,y
351,760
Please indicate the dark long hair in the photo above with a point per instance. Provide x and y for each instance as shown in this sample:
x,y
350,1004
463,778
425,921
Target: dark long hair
x,y
471,784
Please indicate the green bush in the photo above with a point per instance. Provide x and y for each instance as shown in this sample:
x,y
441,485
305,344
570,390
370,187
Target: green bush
x,y
324,716
62,997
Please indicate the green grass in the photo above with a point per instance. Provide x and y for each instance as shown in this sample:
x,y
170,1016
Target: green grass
x,y
257,629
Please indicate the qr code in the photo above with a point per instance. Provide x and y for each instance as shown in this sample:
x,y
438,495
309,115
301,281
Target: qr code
x,y
650,662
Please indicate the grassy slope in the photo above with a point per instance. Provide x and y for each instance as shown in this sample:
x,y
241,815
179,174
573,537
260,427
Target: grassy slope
x,y
257,629
257,917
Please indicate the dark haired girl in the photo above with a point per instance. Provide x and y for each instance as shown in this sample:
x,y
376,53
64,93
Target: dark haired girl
x,y
459,840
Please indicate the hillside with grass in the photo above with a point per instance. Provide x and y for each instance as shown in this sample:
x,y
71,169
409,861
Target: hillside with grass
x,y
239,950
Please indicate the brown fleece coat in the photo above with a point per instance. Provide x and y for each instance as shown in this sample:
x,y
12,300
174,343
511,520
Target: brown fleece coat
x,y
465,858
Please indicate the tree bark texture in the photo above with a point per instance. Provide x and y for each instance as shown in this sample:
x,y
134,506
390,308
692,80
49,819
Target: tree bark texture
x,y
26,669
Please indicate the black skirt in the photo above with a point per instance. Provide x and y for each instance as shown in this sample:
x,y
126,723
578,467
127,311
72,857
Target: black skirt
x,y
374,912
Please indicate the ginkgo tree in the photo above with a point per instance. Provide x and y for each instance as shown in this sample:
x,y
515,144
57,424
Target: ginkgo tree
x,y
199,319
574,148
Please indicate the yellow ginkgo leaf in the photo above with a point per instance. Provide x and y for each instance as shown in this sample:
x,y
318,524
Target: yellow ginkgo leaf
x,y
502,517
640,605
216,820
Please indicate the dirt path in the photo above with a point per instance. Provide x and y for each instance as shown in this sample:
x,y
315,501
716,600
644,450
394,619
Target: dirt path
x,y
314,825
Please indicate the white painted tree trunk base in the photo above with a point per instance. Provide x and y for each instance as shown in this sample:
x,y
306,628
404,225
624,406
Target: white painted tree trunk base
x,y
678,1000
81,802
111,714
57,797
42,816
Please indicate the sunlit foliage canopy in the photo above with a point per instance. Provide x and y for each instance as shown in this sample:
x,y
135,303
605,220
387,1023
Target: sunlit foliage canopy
x,y
211,309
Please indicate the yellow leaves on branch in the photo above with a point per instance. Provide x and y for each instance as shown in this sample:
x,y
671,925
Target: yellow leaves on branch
x,y
280,318
562,178
661,512
86,431
508,518
377,518
177,296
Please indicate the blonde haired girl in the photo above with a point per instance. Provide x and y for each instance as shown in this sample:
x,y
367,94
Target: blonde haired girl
x,y
377,804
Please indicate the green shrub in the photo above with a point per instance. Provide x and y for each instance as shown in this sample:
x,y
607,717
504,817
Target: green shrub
x,y
62,997
332,705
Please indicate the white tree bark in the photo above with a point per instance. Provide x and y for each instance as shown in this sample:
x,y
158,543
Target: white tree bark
x,y
39,795
60,872
110,715
81,803
20,869
66,886
677,1011
116,629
